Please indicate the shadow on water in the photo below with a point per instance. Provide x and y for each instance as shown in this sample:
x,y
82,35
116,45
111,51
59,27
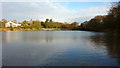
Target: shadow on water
x,y
111,41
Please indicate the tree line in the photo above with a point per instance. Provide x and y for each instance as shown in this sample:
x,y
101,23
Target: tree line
x,y
109,22
37,24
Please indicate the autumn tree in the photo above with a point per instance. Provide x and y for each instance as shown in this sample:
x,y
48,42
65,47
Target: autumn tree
x,y
108,22
57,25
25,24
4,21
36,24
74,25
0,24
94,24
112,20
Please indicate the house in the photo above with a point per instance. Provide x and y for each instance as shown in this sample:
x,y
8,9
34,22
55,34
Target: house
x,y
12,24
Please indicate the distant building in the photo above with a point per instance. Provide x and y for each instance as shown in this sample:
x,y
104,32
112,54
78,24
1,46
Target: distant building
x,y
12,24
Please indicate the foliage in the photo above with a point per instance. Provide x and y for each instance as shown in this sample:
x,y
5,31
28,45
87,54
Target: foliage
x,y
0,24
36,24
48,23
112,21
74,25
4,21
25,24
104,23
95,24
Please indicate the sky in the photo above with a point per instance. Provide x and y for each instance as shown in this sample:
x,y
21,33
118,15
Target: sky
x,y
58,11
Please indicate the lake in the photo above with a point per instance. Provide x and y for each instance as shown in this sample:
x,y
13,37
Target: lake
x,y
60,48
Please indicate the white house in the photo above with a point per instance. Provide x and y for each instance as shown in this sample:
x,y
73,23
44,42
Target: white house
x,y
12,24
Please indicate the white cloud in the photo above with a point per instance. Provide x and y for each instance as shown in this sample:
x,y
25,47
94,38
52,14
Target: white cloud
x,y
43,10
86,14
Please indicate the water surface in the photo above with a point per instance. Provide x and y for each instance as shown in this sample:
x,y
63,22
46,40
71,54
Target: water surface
x,y
59,48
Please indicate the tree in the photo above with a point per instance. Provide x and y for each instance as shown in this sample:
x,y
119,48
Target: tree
x,y
67,25
4,21
25,24
56,25
82,25
47,23
36,24
11,27
74,25
95,24
0,24
51,23
42,24
112,20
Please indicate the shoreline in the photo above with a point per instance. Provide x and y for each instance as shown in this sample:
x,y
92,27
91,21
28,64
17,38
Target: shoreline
x,y
53,29
28,29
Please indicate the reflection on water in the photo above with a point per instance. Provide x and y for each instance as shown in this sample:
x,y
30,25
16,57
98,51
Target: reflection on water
x,y
0,49
111,42
60,48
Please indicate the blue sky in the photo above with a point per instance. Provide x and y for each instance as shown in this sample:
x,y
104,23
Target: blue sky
x,y
82,5
58,11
